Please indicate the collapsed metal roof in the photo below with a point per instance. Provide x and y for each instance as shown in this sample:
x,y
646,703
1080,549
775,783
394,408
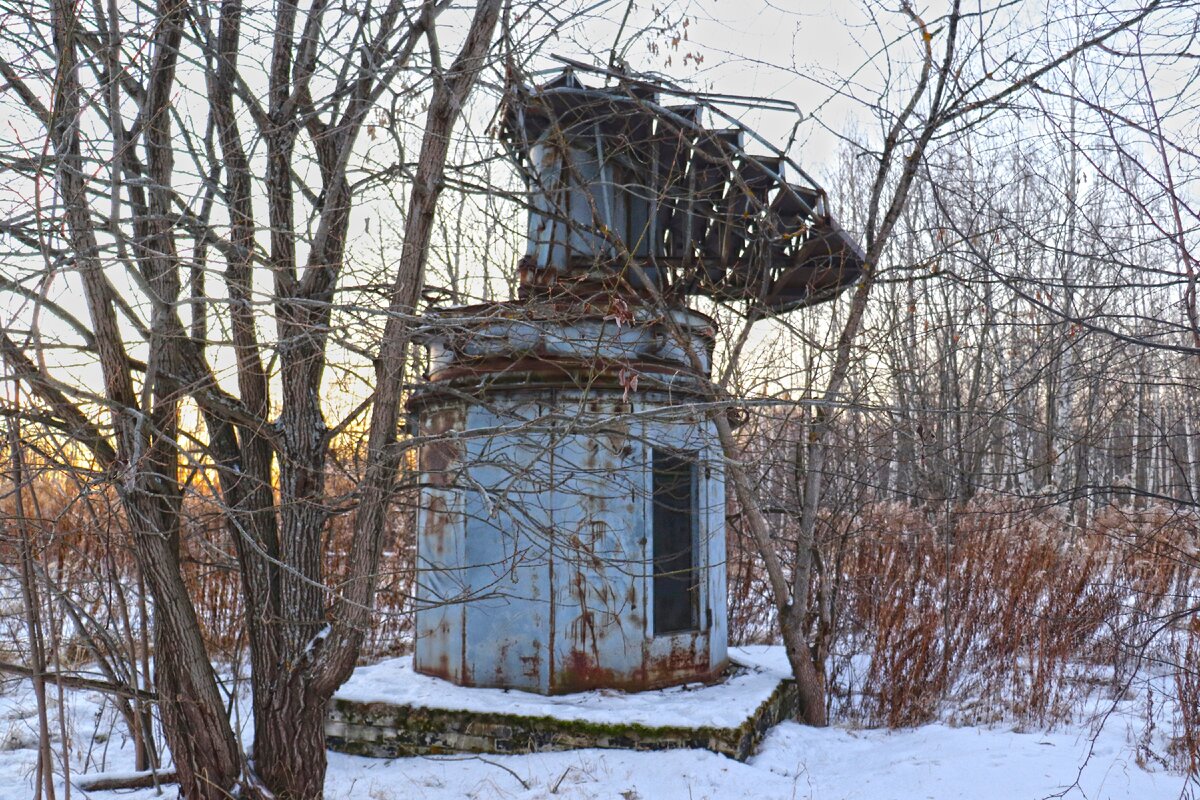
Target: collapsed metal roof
x,y
624,180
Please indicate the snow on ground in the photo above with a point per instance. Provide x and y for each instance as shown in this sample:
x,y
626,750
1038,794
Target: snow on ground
x,y
794,763
936,761
724,705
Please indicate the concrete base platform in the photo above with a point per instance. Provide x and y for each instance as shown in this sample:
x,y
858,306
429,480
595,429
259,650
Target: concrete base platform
x,y
388,710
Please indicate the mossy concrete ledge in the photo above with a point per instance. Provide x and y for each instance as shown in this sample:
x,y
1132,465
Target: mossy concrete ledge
x,y
391,711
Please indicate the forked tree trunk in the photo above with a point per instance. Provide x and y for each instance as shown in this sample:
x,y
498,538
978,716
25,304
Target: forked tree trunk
x,y
290,729
194,720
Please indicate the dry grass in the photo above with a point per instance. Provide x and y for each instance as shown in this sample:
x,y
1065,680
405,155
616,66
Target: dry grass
x,y
990,614
82,542
998,612
1185,745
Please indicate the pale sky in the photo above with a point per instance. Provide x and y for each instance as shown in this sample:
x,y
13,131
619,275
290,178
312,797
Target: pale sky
x,y
825,56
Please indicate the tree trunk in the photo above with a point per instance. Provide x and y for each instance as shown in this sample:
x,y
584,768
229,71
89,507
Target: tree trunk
x,y
290,730
810,681
193,714
44,771
289,743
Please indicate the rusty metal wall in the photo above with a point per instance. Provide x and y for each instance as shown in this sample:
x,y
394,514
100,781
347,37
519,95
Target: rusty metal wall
x,y
441,580
534,543
508,622
599,570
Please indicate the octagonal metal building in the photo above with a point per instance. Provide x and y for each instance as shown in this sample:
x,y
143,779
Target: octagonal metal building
x,y
571,525
572,529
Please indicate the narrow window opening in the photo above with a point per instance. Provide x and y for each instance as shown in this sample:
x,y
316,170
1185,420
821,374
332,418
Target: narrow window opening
x,y
674,527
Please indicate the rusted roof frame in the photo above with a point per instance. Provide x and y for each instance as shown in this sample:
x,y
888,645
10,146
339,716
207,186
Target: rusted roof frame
x,y
741,169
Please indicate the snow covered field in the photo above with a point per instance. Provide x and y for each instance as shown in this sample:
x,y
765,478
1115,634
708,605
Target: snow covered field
x,y
794,762
933,761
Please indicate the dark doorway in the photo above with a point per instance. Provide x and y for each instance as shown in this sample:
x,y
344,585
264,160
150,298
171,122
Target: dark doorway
x,y
674,521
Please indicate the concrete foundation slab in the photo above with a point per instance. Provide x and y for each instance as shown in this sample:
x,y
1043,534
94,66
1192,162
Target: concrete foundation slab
x,y
387,710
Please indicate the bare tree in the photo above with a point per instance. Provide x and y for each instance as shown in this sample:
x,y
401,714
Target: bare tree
x,y
949,97
145,131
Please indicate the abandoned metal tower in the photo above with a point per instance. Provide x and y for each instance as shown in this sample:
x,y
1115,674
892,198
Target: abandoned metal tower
x,y
571,530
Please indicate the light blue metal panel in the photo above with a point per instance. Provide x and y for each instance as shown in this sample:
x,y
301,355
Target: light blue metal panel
x,y
713,546
598,529
548,227
590,207
441,577
534,543
441,586
508,617
568,205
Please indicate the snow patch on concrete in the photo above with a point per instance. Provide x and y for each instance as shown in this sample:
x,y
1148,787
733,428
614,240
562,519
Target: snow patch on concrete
x,y
722,705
